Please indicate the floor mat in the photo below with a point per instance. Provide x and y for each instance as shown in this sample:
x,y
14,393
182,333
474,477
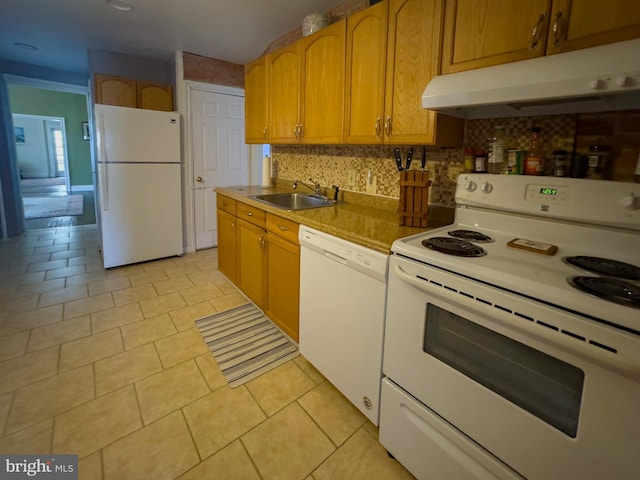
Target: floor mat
x,y
245,344
53,206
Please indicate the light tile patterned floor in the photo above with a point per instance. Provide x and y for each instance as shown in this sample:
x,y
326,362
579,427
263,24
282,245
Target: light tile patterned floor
x,y
108,364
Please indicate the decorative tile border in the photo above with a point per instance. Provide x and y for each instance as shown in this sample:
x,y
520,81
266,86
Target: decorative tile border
x,y
332,164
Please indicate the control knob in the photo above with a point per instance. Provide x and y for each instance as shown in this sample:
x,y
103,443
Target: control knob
x,y
631,202
486,187
470,186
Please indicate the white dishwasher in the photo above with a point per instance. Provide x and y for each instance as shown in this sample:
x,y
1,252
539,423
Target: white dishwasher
x,y
342,309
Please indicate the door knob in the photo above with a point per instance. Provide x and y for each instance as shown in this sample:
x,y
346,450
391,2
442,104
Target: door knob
x,y
199,179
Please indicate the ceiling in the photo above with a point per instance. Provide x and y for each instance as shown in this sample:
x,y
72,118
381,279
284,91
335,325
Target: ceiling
x,y
64,30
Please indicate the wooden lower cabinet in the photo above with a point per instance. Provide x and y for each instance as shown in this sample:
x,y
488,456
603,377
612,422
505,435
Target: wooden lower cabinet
x,y
252,262
283,275
260,254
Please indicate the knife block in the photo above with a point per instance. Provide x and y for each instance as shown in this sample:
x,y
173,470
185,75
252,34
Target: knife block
x,y
414,198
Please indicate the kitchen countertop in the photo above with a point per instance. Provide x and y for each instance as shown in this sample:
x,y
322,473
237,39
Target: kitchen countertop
x,y
357,218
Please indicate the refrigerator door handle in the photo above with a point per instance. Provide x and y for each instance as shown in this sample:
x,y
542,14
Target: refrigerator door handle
x,y
104,180
104,177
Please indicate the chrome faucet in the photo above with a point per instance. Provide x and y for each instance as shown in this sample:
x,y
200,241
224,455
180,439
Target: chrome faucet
x,y
316,186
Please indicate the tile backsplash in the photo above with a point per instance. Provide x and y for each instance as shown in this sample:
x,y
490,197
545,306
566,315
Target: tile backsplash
x,y
338,164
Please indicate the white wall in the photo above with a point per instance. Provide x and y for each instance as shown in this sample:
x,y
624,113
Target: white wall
x,y
32,155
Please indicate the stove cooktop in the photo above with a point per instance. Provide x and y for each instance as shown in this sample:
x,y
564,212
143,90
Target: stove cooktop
x,y
535,275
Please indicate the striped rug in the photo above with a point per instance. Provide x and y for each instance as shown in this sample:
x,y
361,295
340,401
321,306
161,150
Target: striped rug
x,y
245,344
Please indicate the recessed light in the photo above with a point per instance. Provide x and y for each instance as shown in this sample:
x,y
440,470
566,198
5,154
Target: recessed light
x,y
26,46
120,5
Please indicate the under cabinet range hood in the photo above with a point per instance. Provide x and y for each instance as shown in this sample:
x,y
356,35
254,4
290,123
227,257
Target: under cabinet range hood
x,y
598,79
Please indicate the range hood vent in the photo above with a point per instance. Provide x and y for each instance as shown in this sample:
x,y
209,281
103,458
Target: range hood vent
x,y
598,79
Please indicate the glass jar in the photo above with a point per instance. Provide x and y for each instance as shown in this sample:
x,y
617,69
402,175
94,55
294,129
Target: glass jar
x,y
598,161
469,160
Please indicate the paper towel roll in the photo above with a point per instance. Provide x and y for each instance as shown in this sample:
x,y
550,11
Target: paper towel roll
x,y
266,172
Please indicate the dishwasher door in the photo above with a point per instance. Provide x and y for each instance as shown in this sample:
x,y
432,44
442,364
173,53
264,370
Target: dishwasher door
x,y
342,308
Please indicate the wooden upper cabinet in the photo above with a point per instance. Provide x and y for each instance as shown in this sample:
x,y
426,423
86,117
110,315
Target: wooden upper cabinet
x,y
127,92
479,33
112,90
153,96
364,75
322,95
413,59
588,23
256,101
284,95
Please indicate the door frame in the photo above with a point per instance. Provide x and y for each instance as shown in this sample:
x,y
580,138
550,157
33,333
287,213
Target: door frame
x,y
187,166
34,82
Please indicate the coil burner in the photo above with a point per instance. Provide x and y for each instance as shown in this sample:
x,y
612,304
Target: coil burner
x,y
454,246
471,235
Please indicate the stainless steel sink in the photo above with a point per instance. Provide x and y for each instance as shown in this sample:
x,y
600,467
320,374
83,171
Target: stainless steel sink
x,y
293,201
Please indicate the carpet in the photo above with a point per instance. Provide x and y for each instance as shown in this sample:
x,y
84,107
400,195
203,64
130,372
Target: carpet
x,y
53,206
245,344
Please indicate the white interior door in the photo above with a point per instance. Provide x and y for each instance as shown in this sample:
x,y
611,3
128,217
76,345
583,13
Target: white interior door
x,y
220,155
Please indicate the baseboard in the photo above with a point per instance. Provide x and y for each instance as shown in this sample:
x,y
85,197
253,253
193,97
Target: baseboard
x,y
81,188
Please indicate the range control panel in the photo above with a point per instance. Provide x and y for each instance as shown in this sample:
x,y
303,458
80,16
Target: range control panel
x,y
597,202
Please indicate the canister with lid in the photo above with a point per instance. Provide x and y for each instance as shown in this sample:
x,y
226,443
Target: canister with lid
x,y
598,160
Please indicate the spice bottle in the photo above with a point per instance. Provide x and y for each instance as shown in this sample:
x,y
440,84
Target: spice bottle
x,y
559,163
598,158
496,158
535,159
480,165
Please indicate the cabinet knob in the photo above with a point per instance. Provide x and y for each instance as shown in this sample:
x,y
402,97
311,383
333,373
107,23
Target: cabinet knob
x,y
387,127
199,179
264,132
378,122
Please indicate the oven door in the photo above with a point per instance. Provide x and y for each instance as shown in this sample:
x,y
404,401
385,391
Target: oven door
x,y
548,393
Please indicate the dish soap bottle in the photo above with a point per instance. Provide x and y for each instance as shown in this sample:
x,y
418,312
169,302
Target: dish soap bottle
x,y
496,151
535,159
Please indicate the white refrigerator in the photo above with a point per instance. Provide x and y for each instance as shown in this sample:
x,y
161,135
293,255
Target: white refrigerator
x,y
139,193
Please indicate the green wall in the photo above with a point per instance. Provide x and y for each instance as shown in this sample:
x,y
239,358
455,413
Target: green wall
x,y
73,108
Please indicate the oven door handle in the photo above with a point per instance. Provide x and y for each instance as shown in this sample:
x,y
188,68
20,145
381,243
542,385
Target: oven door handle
x,y
628,365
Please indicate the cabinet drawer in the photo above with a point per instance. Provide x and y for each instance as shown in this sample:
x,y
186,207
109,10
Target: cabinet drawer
x,y
283,228
251,214
227,204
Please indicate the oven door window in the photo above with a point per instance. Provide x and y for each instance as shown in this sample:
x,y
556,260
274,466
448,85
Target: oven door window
x,y
546,387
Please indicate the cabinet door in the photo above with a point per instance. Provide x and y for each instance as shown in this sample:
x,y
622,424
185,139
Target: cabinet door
x,y
284,95
256,101
155,97
118,91
365,70
480,33
283,284
413,57
227,245
589,23
252,262
322,95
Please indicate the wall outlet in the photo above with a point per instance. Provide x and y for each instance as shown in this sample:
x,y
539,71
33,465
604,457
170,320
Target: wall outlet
x,y
351,178
372,185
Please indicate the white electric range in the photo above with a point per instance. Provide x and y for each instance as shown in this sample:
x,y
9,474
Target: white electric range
x,y
514,334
